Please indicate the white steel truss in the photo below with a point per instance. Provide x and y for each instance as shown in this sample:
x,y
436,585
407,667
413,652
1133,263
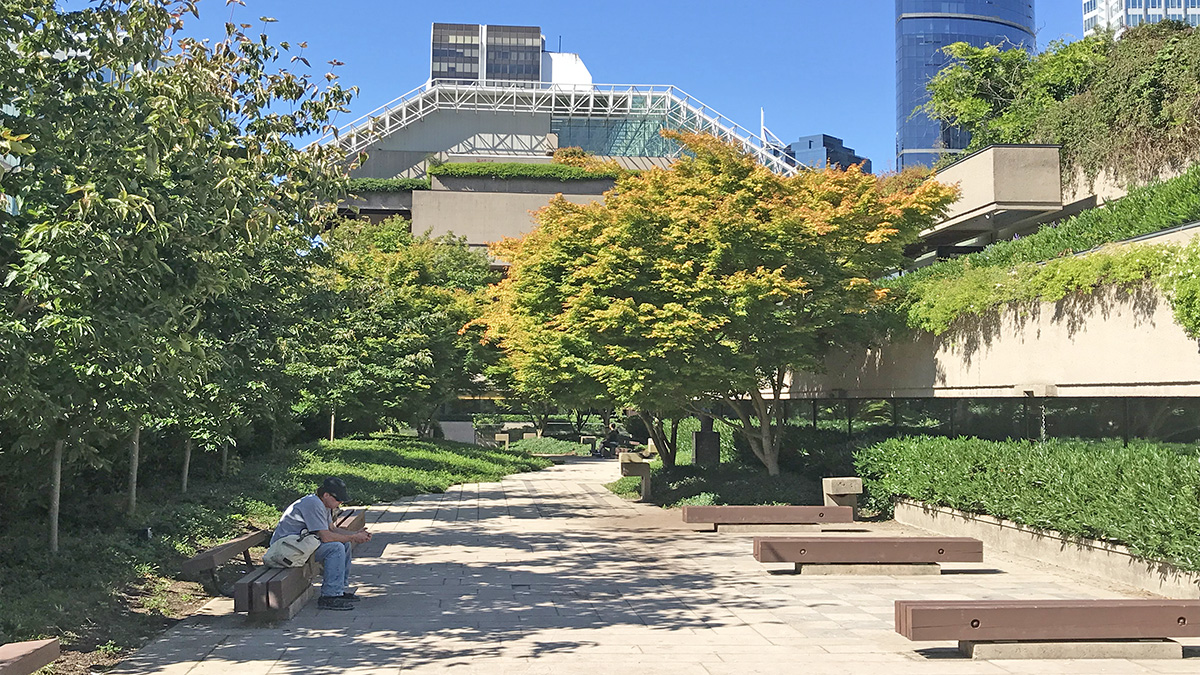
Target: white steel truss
x,y
678,109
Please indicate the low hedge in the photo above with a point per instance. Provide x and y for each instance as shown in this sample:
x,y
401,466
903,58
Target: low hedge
x,y
512,170
388,184
1145,496
727,484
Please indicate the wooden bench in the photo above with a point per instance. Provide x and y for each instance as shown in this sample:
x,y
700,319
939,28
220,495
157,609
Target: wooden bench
x,y
867,555
24,658
204,564
276,594
759,518
1083,628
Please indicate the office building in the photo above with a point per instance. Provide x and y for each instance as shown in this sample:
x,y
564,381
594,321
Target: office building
x,y
1101,15
467,52
820,151
923,29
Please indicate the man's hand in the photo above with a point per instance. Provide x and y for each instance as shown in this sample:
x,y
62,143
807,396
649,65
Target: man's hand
x,y
360,537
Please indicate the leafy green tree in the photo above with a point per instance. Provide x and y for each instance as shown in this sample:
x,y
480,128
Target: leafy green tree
x,y
148,173
396,348
710,281
1126,107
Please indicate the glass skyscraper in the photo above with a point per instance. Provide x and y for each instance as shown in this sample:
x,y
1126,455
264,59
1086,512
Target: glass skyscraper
x,y
923,28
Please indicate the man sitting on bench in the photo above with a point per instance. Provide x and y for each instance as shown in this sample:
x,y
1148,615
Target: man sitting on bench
x,y
315,513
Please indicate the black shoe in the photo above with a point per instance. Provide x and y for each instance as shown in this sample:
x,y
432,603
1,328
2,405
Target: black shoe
x,y
350,597
336,603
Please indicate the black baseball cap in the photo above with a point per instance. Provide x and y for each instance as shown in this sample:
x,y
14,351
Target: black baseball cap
x,y
336,487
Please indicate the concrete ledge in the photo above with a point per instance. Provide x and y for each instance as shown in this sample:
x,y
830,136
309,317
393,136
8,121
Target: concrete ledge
x,y
867,570
1108,561
739,528
1106,649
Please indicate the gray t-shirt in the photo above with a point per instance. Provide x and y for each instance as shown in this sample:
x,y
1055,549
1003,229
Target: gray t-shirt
x,y
307,513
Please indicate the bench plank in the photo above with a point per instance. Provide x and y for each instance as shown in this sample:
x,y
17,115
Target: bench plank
x,y
767,515
24,658
242,601
1083,619
867,550
222,553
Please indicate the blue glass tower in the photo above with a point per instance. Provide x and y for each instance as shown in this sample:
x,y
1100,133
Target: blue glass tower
x,y
923,28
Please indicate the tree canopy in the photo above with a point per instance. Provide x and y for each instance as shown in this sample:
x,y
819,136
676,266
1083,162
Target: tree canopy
x,y
1127,106
710,281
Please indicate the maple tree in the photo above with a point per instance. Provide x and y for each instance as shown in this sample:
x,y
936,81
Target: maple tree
x,y
707,282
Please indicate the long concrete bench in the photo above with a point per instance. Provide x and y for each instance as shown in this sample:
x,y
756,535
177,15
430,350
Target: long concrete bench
x,y
867,555
24,658
766,518
1083,628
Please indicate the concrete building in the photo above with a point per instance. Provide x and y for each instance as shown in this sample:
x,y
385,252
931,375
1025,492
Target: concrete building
x,y
1101,15
923,29
820,151
489,100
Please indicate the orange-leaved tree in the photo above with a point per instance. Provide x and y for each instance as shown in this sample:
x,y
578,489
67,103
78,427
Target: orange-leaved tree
x,y
712,280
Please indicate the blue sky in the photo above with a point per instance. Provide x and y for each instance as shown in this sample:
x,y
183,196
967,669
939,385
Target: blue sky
x,y
814,66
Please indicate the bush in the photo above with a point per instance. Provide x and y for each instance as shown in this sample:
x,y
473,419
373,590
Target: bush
x,y
387,184
727,484
514,170
1145,496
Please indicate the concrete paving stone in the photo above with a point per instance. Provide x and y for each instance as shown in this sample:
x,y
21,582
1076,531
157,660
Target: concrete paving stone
x,y
1069,666
544,573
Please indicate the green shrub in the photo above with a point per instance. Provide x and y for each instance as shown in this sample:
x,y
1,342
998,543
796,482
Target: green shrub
x,y
1039,267
726,484
550,446
1146,496
387,184
514,170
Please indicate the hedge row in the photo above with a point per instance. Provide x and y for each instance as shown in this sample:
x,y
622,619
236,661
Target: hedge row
x,y
387,184
1145,496
511,170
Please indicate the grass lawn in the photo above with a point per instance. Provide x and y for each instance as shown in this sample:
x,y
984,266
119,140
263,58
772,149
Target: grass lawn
x,y
109,590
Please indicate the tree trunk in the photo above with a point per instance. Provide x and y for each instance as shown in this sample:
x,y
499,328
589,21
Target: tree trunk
x,y
187,463
134,451
332,421
55,492
225,455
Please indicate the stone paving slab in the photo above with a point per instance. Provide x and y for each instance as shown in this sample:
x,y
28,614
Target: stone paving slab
x,y
548,572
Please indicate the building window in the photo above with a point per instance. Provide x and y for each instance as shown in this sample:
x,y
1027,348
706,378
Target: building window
x,y
1174,4
1134,20
1133,4
1089,6
1193,4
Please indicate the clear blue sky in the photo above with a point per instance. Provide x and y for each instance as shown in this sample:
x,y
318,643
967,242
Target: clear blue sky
x,y
815,66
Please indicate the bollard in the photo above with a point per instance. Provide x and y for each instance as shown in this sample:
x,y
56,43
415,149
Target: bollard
x,y
842,492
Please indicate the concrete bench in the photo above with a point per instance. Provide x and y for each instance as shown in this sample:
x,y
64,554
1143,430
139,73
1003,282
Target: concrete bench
x,y
636,464
767,518
276,594
25,658
867,555
1046,629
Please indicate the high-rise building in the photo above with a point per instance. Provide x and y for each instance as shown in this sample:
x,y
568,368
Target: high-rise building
x,y
923,28
1101,15
468,52
820,151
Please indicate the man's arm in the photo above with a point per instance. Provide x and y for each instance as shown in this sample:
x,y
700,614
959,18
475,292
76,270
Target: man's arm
x,y
344,535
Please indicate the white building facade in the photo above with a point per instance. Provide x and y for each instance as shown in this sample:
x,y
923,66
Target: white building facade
x,y
1101,15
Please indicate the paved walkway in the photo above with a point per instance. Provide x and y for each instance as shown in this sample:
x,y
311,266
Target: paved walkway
x,y
549,573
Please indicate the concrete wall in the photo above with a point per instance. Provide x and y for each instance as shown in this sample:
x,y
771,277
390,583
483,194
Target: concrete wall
x,y
1110,343
481,217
